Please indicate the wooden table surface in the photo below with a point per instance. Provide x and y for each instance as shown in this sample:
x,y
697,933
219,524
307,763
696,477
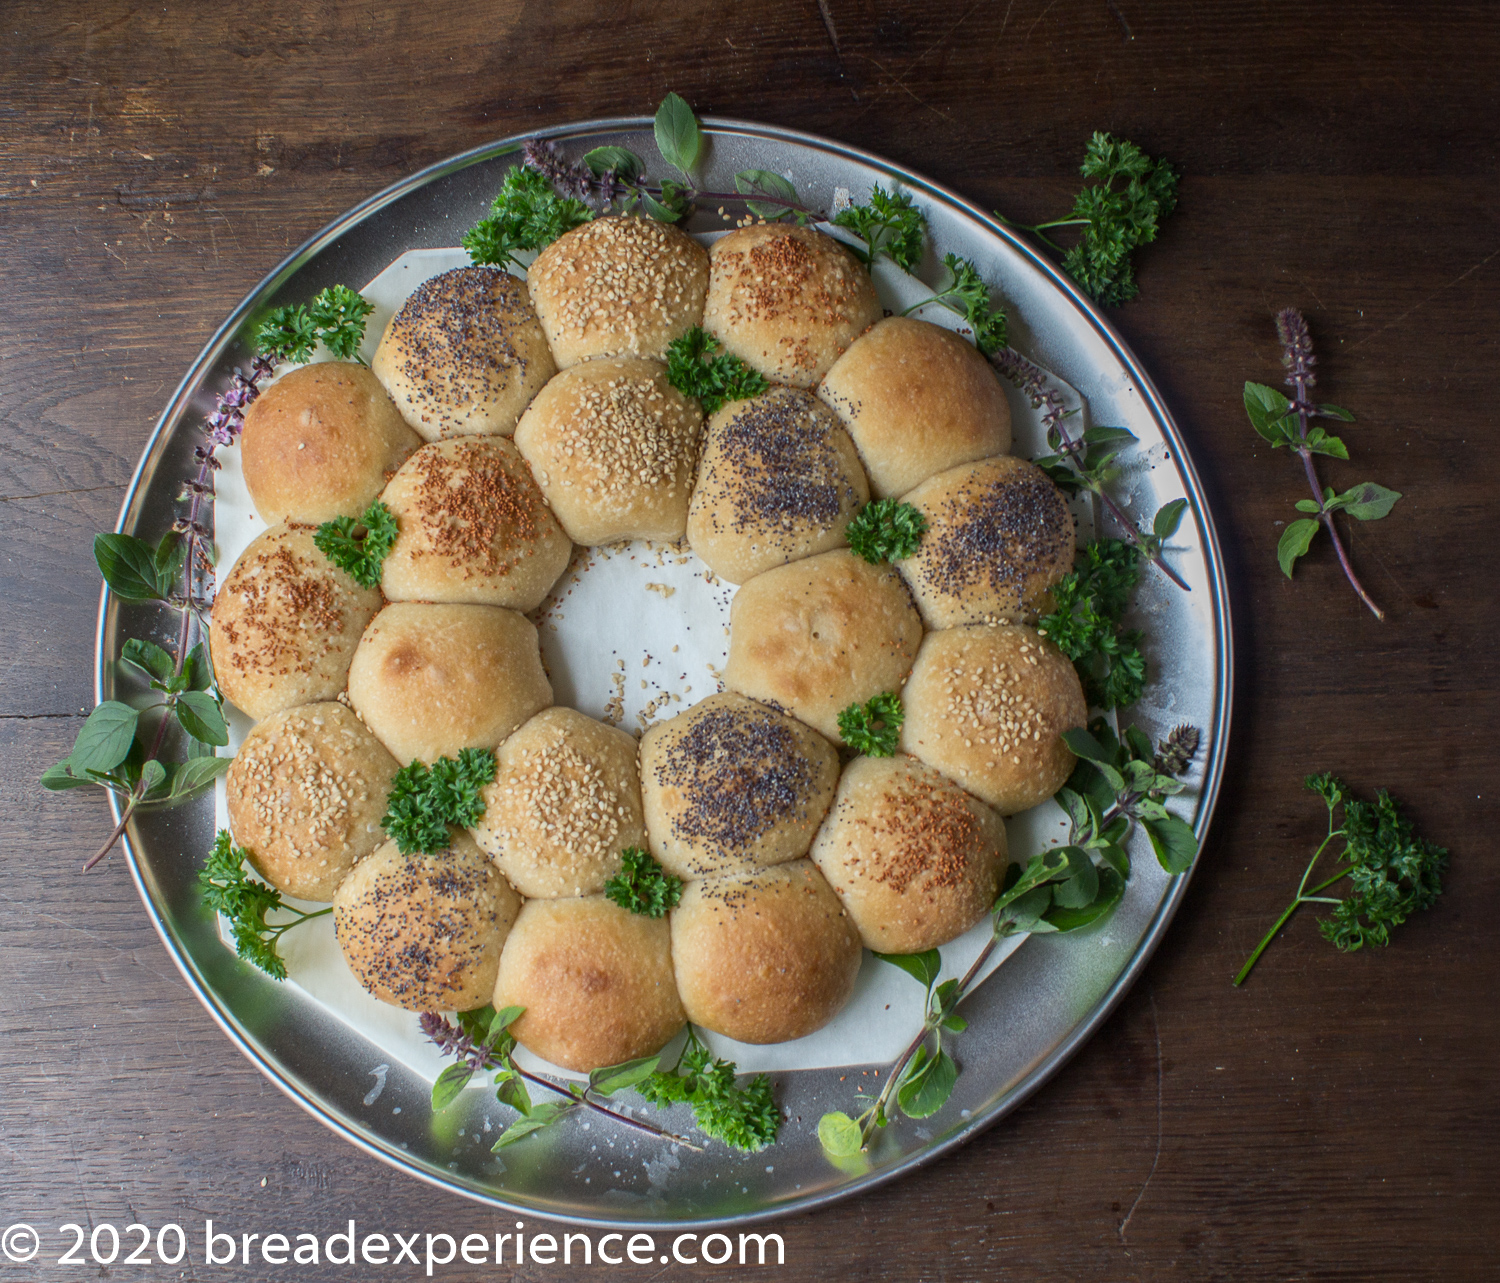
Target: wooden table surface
x,y
1333,1119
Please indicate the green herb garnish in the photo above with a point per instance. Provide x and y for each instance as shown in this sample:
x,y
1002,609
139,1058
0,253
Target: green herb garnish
x,y
874,727
643,886
1090,601
526,215
359,547
890,224
744,1118
964,292
886,530
698,366
424,801
1392,872
229,889
1120,214
337,316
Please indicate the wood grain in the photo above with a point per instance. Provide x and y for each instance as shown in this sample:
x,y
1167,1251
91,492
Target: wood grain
x,y
1334,1119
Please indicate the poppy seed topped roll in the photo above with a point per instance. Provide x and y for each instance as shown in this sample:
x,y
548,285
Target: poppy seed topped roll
x,y
618,286
787,300
917,399
464,354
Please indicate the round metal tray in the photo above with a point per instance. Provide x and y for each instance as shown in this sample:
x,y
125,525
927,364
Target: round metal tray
x,y
1025,1021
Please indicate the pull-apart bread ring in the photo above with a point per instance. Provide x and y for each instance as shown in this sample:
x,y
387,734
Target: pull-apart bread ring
x,y
915,860
473,527
306,794
778,480
464,354
285,624
999,538
613,446
320,442
565,801
917,399
987,706
731,785
820,634
787,300
764,956
425,932
430,680
595,979
619,286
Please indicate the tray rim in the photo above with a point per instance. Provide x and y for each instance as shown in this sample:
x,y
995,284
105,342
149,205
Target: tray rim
x,y
1217,585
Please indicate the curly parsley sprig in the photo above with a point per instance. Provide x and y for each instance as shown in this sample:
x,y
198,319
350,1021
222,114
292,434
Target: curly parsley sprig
x,y
886,530
698,366
360,546
744,1118
527,215
229,889
889,224
963,291
425,801
1392,872
1089,602
874,727
643,886
336,316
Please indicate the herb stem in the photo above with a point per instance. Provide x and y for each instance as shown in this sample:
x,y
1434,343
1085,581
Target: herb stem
x,y
1303,896
591,1103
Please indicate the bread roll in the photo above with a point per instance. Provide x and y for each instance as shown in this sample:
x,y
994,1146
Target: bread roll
x,y
987,706
917,399
787,300
915,860
473,528
621,286
464,354
764,956
425,932
999,536
730,785
821,634
613,446
565,801
779,479
320,442
595,980
306,794
430,680
285,624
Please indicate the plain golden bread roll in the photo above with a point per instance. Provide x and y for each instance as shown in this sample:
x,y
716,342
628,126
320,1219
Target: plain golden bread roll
x,y
731,785
306,794
464,354
821,634
999,537
430,680
778,480
764,956
915,860
787,300
565,801
285,624
320,442
425,932
613,446
595,980
917,399
987,706
621,286
473,527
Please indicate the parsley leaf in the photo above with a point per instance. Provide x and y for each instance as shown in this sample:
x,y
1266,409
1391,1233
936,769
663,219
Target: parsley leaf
x,y
744,1118
697,365
228,889
424,801
886,530
888,225
288,334
874,727
965,293
1085,623
360,555
643,886
337,316
526,215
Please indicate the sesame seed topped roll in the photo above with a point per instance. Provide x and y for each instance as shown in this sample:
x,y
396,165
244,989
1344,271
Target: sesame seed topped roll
x,y
619,286
464,354
787,300
613,446
306,794
473,527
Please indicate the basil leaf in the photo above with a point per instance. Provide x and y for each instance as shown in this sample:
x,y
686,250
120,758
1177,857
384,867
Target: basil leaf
x,y
1082,884
1368,501
612,1078
678,136
105,739
923,1094
1111,890
620,161
170,554
1320,442
128,565
839,1135
450,1083
661,213
202,718
193,774
1295,541
1086,746
58,777
1336,412
200,668
1168,518
922,967
1174,842
542,1116
762,182
1266,408
149,658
